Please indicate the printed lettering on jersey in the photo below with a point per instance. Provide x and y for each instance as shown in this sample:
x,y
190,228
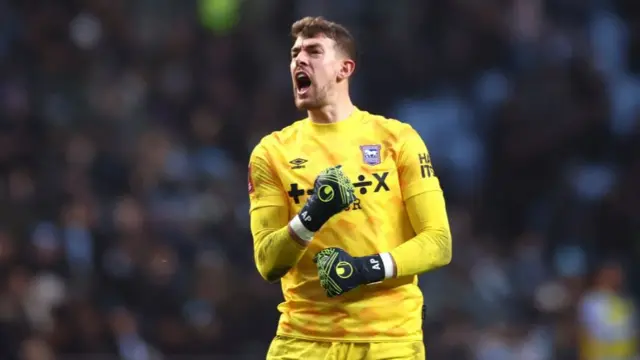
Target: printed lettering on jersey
x,y
250,181
381,183
371,154
426,168
376,183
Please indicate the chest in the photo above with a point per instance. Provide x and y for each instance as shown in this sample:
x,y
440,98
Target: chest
x,y
370,166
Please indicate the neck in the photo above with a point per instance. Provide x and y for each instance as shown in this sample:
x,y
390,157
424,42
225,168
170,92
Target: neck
x,y
332,113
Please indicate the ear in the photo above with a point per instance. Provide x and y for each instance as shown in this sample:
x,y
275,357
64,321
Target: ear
x,y
347,67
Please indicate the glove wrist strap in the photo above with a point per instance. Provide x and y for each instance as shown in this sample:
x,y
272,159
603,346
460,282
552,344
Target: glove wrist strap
x,y
312,215
300,230
371,268
376,268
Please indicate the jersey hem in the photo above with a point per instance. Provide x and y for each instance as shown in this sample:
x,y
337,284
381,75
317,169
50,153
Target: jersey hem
x,y
353,340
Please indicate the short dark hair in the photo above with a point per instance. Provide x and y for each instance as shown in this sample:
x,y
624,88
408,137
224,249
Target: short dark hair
x,y
309,27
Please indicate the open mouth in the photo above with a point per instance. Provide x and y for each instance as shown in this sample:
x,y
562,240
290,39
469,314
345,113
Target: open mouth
x,y
303,83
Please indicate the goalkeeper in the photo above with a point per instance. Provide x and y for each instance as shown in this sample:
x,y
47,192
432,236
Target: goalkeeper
x,y
346,211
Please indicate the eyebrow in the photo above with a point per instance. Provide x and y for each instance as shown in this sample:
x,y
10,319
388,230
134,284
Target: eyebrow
x,y
307,47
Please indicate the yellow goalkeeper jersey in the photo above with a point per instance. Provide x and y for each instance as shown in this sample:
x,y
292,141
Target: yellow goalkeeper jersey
x,y
387,162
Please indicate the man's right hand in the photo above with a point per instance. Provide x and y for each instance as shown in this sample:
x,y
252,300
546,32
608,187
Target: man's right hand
x,y
332,193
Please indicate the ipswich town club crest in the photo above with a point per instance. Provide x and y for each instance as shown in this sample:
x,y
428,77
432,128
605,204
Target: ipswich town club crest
x,y
371,154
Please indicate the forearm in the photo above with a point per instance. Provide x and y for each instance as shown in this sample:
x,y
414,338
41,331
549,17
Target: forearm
x,y
276,251
431,248
427,251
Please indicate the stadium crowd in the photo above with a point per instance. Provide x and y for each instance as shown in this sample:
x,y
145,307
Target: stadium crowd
x,y
125,130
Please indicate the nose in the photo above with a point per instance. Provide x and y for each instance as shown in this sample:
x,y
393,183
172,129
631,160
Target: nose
x,y
301,61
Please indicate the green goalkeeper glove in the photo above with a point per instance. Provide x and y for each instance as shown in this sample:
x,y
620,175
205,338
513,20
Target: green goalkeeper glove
x,y
340,272
332,193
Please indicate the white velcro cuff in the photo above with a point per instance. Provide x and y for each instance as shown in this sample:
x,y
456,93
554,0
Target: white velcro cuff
x,y
298,228
389,266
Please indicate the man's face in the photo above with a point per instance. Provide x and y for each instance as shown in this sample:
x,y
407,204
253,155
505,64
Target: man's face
x,y
315,64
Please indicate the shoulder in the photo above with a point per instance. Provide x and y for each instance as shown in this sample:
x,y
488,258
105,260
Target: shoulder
x,y
395,128
277,139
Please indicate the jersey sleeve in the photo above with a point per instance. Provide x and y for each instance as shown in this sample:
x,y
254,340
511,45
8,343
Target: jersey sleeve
x,y
431,248
415,169
264,187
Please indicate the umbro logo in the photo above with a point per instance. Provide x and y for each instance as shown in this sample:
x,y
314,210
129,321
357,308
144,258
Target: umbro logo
x,y
298,163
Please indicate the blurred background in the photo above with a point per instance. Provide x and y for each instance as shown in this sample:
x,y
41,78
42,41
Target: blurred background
x,y
125,130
